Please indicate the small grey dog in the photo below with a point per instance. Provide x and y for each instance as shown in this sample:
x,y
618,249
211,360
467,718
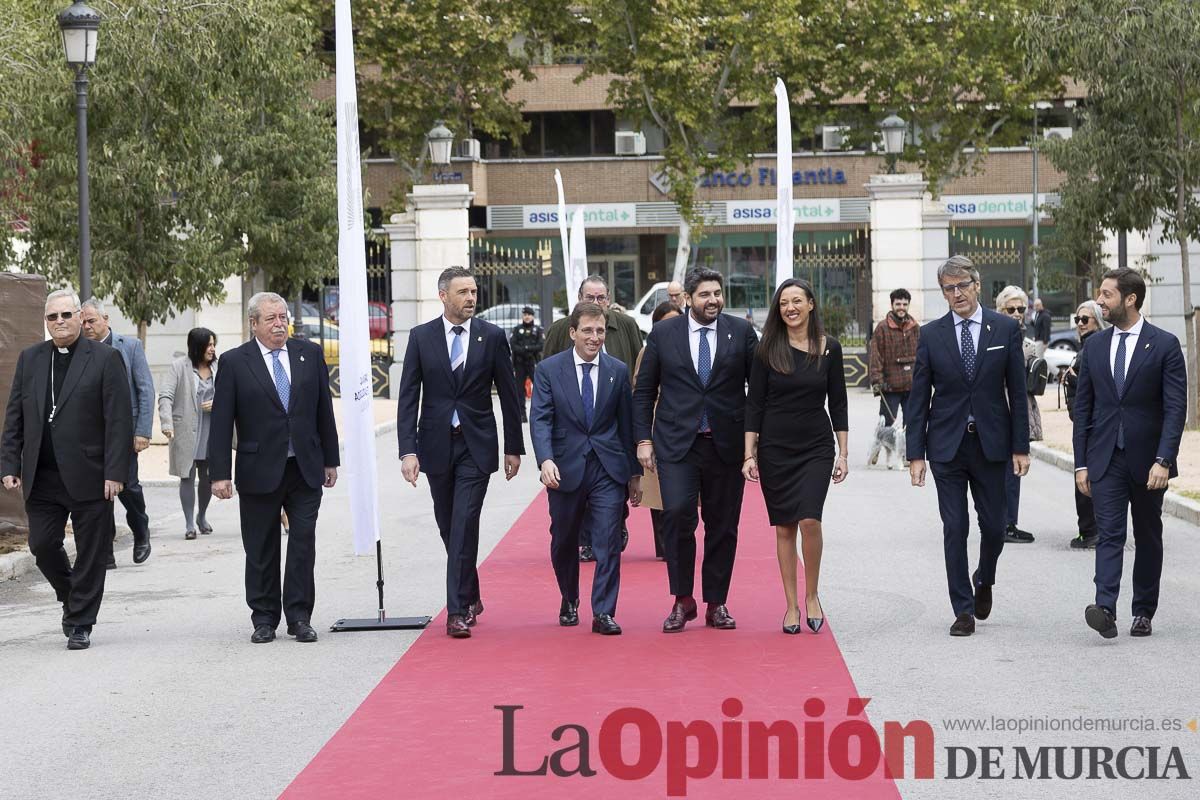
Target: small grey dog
x,y
889,440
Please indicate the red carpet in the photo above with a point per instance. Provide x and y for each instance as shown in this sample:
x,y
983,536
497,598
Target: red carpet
x,y
431,729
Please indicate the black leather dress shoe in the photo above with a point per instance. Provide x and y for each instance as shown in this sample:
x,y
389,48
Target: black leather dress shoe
x,y
456,627
302,631
983,601
1101,620
262,634
964,625
717,616
1140,627
1014,535
605,625
80,639
111,563
586,554
568,613
141,548
682,612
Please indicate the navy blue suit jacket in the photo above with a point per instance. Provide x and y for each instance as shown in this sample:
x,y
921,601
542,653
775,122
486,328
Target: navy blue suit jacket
x,y
1152,407
942,399
428,382
669,397
556,422
245,398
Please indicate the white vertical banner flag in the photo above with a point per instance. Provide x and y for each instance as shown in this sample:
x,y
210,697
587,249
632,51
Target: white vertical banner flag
x,y
562,235
785,220
579,265
358,418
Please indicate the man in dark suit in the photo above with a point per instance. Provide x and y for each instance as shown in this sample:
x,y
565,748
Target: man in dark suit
x,y
581,423
450,367
1041,323
275,392
1130,408
141,391
622,340
973,428
66,440
696,368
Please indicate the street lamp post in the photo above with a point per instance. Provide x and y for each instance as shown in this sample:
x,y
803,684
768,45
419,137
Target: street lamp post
x,y
893,129
79,25
440,140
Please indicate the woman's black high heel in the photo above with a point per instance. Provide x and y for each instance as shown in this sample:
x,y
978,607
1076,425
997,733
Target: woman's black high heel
x,y
791,630
815,623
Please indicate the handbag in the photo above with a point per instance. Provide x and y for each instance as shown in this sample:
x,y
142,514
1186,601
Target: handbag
x,y
1037,374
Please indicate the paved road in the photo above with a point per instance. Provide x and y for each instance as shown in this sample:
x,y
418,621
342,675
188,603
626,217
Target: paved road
x,y
173,702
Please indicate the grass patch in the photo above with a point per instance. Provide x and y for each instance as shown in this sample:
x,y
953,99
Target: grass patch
x,y
1189,494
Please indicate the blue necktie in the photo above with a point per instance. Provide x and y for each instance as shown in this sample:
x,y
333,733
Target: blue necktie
x,y
282,384
585,390
457,359
704,371
1119,380
968,351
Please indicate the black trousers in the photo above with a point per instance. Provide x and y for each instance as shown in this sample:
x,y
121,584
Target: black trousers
x,y
970,469
80,588
602,499
135,502
660,550
1113,496
523,370
889,405
702,476
1012,498
1085,513
261,538
457,502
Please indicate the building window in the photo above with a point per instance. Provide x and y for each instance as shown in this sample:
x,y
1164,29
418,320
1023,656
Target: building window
x,y
567,133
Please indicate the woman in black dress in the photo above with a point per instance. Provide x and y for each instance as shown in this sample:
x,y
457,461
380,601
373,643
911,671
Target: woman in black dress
x,y
790,437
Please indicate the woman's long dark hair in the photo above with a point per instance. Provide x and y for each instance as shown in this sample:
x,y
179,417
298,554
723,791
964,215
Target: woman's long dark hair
x,y
197,343
774,349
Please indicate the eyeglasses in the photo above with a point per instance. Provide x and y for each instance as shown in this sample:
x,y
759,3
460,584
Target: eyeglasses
x,y
55,317
1082,320
1015,309
958,288
595,298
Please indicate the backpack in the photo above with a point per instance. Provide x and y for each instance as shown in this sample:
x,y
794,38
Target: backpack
x,y
1037,374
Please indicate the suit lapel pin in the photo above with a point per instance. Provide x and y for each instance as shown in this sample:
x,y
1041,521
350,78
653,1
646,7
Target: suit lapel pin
x,y
729,336
610,378
1147,345
479,339
301,358
989,327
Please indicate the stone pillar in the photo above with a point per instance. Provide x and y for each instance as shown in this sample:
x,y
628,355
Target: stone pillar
x,y
434,233
935,239
897,244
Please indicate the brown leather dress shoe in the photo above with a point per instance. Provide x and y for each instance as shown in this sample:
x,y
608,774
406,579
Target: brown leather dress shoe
x,y
456,626
718,617
682,612
964,625
473,612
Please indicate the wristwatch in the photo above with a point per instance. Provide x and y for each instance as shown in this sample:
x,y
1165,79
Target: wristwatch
x,y
1162,462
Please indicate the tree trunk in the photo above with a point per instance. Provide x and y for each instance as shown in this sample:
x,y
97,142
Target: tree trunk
x,y
683,252
143,326
1182,233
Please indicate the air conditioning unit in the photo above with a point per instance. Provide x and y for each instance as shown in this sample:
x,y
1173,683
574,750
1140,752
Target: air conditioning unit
x,y
1058,133
832,136
631,143
467,148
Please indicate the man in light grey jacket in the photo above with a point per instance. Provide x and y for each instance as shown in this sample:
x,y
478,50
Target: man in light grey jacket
x,y
141,391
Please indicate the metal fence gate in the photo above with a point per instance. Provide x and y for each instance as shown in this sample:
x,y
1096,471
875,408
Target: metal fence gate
x,y
999,259
510,278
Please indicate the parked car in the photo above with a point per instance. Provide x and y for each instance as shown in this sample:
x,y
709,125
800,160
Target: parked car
x,y
507,316
1066,339
644,308
328,333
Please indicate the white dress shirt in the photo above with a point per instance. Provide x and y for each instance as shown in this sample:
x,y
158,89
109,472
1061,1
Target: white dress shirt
x,y
1131,341
694,341
270,360
593,374
976,323
466,336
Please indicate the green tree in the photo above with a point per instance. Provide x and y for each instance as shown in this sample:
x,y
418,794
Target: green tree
x,y
1138,148
207,155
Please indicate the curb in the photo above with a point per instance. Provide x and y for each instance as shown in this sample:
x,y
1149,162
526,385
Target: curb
x,y
1174,504
14,565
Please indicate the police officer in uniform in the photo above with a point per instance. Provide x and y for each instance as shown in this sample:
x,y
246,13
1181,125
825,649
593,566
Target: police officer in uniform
x,y
526,342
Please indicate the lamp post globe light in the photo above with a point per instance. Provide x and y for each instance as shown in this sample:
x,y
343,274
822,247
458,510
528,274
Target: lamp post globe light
x,y
893,129
80,25
440,139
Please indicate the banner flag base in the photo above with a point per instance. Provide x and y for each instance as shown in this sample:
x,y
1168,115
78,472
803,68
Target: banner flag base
x,y
381,622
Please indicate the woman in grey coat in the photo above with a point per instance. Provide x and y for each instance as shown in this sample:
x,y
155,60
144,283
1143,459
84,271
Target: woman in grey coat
x,y
185,410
